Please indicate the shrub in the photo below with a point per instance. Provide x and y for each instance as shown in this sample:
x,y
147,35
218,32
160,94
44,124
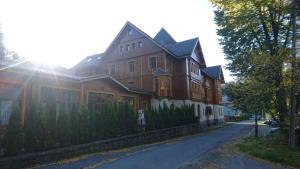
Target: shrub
x,y
166,117
12,142
34,129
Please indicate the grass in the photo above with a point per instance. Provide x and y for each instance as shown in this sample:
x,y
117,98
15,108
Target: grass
x,y
273,148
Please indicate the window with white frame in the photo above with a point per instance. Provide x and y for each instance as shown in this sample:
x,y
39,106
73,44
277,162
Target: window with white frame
x,y
152,63
131,66
5,110
140,44
112,69
129,32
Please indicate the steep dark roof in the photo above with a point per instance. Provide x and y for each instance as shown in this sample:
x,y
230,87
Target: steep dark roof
x,y
163,37
92,60
184,48
179,49
213,71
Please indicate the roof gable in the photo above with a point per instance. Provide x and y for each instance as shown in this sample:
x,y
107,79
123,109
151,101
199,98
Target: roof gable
x,y
214,72
128,24
164,37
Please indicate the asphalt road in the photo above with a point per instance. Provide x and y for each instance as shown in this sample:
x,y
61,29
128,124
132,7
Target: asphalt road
x,y
170,154
174,155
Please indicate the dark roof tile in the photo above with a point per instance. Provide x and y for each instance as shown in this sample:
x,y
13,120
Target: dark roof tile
x,y
163,37
92,60
184,48
179,49
213,71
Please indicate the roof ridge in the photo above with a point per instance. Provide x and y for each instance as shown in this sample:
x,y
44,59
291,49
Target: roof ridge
x,y
196,38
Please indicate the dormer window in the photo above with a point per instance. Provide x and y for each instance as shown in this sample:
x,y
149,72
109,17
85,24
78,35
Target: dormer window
x,y
129,32
89,59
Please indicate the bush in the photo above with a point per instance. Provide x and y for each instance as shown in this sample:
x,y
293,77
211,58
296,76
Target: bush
x,y
166,117
45,129
34,129
12,142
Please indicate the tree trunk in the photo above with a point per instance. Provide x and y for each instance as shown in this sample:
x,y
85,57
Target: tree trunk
x,y
256,126
281,103
294,75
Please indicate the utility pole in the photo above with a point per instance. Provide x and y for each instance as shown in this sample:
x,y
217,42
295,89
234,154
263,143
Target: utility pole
x,y
293,79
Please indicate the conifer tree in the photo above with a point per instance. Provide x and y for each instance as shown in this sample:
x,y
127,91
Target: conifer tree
x,y
74,125
83,132
13,138
63,128
33,129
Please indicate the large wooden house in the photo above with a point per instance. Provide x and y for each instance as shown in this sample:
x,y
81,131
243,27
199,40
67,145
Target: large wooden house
x,y
135,68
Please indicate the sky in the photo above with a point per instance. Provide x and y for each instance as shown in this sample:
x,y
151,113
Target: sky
x,y
63,32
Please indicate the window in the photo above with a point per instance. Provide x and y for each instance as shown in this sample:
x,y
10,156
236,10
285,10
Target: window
x,y
5,110
57,100
129,100
127,47
131,66
152,62
140,44
97,101
133,46
129,32
89,59
112,69
198,110
130,83
121,48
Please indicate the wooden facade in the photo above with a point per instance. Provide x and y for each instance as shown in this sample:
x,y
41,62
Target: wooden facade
x,y
135,68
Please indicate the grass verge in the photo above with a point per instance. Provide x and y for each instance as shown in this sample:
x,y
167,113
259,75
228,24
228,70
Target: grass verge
x,y
273,148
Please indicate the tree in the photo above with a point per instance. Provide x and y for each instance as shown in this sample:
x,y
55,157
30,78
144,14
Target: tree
x,y
63,128
251,96
83,132
13,139
250,28
2,48
33,129
7,55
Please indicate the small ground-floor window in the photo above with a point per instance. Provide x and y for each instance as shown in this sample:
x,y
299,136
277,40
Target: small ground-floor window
x,y
61,99
6,107
96,101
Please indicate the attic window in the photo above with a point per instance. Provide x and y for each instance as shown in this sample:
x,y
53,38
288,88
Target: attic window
x,y
133,46
127,47
129,32
89,59
140,44
99,57
121,48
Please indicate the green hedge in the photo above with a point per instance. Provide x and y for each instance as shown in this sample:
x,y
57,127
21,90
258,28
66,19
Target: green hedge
x,y
165,117
44,129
